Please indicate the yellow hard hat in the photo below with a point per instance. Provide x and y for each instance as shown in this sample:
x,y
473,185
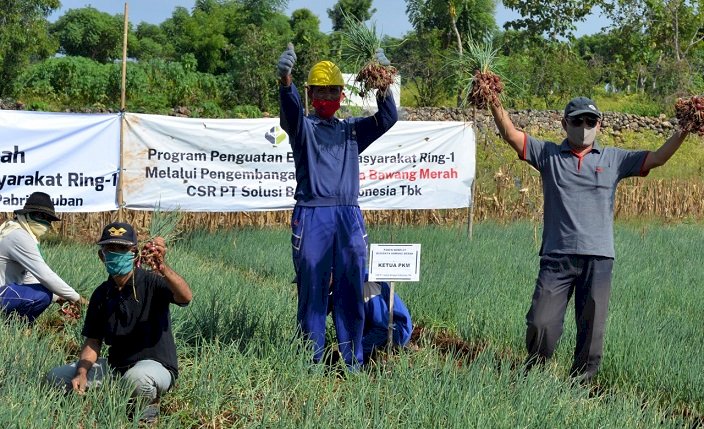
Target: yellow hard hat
x,y
325,73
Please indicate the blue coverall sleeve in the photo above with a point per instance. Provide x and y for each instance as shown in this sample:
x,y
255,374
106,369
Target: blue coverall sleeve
x,y
291,112
372,127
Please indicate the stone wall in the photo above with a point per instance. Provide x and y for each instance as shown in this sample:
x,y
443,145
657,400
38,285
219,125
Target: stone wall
x,y
550,120
8,104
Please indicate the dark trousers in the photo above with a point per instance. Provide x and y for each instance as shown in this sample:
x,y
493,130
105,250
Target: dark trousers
x,y
560,276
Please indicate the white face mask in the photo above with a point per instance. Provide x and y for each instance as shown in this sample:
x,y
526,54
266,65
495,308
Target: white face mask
x,y
581,136
38,228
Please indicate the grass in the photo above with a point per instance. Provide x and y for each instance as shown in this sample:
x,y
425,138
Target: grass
x,y
635,103
240,366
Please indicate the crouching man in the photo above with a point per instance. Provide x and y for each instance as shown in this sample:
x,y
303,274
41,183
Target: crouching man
x,y
375,335
130,313
376,319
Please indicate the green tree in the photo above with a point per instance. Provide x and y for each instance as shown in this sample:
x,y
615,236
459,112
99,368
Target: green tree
x,y
89,33
623,54
552,18
251,65
259,11
421,64
24,37
672,33
310,43
201,34
151,42
159,86
553,73
457,20
359,9
252,76
154,86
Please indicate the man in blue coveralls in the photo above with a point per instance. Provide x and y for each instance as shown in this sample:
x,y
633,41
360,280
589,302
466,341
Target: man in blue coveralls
x,y
327,224
577,253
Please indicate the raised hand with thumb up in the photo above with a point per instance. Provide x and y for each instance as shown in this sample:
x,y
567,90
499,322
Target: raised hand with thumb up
x,y
286,62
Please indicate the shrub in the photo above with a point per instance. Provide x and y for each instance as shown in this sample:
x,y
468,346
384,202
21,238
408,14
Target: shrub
x,y
72,81
246,111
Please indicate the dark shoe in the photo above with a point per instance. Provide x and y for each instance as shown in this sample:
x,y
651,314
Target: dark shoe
x,y
584,378
150,413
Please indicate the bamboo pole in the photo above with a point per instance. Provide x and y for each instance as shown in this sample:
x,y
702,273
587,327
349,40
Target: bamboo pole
x,y
124,61
123,91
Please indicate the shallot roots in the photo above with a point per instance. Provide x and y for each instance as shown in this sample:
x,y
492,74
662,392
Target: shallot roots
x,y
485,90
375,76
690,114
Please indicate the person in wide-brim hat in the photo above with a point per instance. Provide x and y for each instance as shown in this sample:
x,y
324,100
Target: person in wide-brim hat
x,y
39,203
27,285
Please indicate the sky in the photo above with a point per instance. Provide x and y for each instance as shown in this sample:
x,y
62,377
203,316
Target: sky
x,y
390,17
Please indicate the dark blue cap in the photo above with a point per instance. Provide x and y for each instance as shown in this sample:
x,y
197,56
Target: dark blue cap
x,y
118,233
581,105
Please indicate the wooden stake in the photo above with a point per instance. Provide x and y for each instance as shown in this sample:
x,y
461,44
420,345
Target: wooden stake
x,y
470,218
305,97
390,340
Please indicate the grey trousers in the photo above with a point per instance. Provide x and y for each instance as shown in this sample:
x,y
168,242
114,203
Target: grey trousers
x,y
149,378
560,276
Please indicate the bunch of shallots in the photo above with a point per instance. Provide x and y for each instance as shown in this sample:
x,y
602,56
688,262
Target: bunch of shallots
x,y
485,90
151,257
70,310
375,76
690,114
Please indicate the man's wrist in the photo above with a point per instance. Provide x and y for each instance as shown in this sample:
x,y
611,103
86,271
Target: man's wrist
x,y
83,366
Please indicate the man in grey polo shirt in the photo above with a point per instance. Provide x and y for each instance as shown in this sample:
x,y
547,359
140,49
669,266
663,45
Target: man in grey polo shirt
x,y
579,179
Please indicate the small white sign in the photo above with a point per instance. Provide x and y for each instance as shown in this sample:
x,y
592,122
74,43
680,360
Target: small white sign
x,y
394,262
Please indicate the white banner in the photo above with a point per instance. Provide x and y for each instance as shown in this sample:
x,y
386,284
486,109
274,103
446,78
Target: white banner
x,y
72,157
209,165
419,165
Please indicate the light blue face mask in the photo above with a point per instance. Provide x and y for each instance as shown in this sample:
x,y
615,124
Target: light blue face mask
x,y
118,263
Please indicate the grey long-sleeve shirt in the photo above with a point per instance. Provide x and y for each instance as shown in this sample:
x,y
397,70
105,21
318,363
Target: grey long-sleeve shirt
x,y
21,263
